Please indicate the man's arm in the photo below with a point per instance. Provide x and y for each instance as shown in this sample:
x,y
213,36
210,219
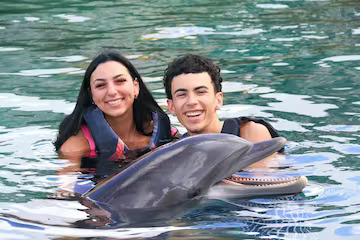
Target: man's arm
x,y
256,132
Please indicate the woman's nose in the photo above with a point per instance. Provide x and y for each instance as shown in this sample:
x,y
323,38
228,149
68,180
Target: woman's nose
x,y
111,89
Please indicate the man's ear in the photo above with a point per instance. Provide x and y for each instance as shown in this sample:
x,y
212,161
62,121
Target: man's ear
x,y
219,99
171,106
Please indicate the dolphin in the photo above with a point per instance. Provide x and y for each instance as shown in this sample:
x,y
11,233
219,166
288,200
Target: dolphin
x,y
159,184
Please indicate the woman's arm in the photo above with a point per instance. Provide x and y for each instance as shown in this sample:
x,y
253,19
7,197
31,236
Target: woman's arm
x,y
72,150
75,147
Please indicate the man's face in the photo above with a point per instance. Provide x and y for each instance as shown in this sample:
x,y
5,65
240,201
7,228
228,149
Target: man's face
x,y
194,102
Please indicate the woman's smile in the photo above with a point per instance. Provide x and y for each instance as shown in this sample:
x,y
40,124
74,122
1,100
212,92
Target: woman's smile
x,y
114,101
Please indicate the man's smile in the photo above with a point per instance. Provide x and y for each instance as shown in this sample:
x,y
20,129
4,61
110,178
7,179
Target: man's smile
x,y
193,113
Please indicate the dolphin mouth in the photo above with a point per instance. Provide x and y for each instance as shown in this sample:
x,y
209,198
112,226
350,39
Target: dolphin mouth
x,y
239,180
275,182
236,186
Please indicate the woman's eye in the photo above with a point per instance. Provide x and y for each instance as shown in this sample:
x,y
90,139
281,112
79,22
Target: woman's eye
x,y
99,85
120,80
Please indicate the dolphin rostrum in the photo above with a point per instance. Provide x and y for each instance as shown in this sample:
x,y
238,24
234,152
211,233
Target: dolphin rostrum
x,y
177,173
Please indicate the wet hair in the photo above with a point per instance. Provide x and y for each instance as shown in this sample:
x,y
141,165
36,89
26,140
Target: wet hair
x,y
191,63
143,105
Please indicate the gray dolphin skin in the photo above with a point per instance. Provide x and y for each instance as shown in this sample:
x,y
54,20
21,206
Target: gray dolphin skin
x,y
177,173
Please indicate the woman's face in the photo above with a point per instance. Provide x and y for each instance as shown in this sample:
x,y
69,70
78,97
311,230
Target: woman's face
x,y
112,88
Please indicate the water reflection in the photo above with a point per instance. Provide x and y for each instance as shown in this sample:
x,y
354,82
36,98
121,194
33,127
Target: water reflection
x,y
297,104
29,103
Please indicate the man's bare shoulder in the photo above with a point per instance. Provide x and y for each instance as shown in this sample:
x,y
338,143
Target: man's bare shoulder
x,y
255,132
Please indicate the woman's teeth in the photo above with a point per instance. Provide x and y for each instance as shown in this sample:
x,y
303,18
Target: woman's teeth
x,y
114,102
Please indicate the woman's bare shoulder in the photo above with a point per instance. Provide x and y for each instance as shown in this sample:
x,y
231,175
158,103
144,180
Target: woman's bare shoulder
x,y
75,146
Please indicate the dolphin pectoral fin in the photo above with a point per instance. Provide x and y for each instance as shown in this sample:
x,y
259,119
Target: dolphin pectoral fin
x,y
261,150
259,187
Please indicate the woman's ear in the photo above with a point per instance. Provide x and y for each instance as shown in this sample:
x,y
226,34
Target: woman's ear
x,y
136,88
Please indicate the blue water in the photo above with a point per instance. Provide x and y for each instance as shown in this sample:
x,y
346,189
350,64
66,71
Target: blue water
x,y
295,63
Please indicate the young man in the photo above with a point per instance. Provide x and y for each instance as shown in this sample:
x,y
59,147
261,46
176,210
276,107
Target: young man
x,y
193,88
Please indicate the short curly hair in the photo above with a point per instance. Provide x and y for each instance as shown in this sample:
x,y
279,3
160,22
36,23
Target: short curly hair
x,y
191,63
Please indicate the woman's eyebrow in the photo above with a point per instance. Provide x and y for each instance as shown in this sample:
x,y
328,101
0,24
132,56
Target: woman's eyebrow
x,y
99,79
119,75
103,79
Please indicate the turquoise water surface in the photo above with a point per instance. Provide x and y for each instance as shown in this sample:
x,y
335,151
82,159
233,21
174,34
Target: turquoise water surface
x,y
295,63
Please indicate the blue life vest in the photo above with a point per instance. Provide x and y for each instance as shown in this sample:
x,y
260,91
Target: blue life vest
x,y
109,146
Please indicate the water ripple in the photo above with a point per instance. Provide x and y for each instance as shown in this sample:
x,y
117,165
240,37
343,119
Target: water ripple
x,y
46,72
28,103
72,18
298,104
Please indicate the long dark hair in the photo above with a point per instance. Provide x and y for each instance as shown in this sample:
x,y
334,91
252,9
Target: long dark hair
x,y
143,105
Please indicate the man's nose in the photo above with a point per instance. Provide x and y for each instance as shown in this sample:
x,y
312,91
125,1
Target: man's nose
x,y
192,99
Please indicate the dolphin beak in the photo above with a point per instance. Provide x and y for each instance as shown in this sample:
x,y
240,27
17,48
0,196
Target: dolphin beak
x,y
264,149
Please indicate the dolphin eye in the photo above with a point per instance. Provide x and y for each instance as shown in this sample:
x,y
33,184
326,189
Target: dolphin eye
x,y
195,193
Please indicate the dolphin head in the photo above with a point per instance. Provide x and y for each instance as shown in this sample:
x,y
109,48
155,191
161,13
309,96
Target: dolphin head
x,y
179,171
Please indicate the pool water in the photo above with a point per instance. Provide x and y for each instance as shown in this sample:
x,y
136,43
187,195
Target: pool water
x,y
295,63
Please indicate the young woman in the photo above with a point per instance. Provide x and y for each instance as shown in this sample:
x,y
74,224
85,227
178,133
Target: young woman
x,y
115,116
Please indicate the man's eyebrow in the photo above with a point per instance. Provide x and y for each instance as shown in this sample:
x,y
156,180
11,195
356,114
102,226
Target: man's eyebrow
x,y
180,90
195,89
200,87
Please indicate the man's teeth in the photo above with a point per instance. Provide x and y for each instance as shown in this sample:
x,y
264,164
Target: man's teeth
x,y
193,114
114,102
